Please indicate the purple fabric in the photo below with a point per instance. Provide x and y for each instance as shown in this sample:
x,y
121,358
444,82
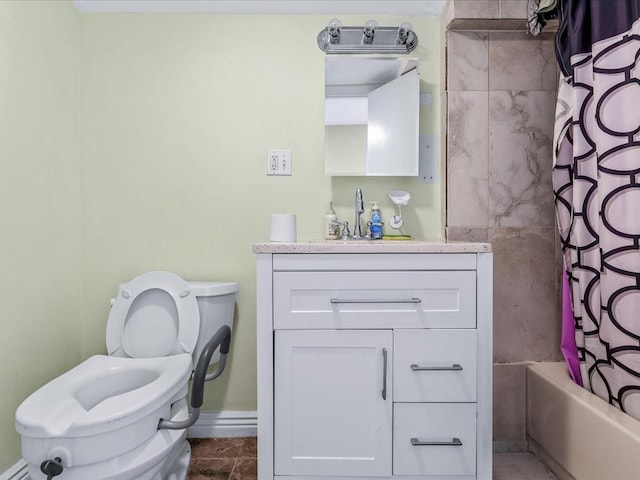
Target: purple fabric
x,y
568,342
585,22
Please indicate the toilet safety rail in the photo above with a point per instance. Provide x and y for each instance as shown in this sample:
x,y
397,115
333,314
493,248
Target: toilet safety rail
x,y
222,339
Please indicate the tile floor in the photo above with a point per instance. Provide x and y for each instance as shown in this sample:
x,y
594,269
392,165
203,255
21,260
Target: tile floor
x,y
519,466
236,459
223,459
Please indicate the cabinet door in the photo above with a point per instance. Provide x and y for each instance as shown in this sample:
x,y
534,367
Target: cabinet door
x,y
392,132
333,402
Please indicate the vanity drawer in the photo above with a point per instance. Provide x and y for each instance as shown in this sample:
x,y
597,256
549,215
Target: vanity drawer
x,y
438,365
434,439
374,299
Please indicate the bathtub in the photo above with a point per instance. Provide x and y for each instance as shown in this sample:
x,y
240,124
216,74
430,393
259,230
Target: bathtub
x,y
576,434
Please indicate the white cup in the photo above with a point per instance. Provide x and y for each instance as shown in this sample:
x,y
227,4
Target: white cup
x,y
283,227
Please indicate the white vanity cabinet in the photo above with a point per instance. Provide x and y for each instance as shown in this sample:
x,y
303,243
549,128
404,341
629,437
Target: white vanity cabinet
x,y
374,364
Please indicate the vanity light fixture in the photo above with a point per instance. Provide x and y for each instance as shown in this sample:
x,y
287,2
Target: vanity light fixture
x,y
371,38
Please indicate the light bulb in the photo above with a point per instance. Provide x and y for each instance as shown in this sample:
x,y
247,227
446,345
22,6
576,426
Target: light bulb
x,y
403,33
369,31
333,27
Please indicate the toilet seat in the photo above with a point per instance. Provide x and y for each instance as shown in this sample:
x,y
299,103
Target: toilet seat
x,y
103,394
158,306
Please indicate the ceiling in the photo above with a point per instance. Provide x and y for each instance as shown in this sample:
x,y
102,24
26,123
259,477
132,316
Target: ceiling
x,y
379,7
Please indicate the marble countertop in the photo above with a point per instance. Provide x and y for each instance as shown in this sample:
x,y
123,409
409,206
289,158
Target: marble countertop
x,y
369,246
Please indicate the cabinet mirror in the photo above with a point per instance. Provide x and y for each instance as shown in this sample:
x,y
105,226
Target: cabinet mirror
x,y
371,116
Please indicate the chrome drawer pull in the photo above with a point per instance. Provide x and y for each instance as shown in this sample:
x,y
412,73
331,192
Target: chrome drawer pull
x,y
455,442
417,368
384,374
376,300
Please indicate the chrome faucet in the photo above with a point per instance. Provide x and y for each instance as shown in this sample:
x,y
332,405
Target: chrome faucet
x,y
357,231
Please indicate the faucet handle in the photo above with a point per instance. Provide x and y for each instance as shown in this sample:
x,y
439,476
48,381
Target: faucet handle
x,y
345,231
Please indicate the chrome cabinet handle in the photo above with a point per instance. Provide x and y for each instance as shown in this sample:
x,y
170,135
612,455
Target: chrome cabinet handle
x,y
455,442
418,368
376,300
384,373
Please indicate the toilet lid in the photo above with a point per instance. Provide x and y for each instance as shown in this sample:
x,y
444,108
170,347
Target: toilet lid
x,y
154,315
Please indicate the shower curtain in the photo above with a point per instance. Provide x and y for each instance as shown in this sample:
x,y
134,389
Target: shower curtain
x,y
596,182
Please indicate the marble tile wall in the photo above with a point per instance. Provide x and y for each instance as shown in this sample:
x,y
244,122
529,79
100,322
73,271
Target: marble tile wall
x,y
489,9
501,89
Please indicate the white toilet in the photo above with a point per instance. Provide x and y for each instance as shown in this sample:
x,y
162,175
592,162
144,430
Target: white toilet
x,y
100,420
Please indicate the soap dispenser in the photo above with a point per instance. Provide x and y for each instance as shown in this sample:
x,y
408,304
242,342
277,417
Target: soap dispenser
x,y
376,221
331,224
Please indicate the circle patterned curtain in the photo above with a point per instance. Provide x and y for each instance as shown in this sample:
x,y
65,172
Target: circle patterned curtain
x,y
596,181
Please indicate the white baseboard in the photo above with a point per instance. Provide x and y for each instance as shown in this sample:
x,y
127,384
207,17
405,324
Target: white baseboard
x,y
225,424
16,472
209,425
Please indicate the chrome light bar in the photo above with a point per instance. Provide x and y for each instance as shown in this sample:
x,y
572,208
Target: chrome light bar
x,y
336,38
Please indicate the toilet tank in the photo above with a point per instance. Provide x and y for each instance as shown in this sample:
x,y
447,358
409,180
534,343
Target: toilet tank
x,y
216,303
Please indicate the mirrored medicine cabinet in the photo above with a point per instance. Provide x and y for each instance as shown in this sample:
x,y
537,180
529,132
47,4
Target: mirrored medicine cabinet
x,y
371,116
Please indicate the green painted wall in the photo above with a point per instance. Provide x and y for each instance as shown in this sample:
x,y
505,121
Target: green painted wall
x,y
40,204
175,114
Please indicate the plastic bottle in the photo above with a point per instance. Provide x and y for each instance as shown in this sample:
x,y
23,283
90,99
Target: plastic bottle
x,y
376,221
331,224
